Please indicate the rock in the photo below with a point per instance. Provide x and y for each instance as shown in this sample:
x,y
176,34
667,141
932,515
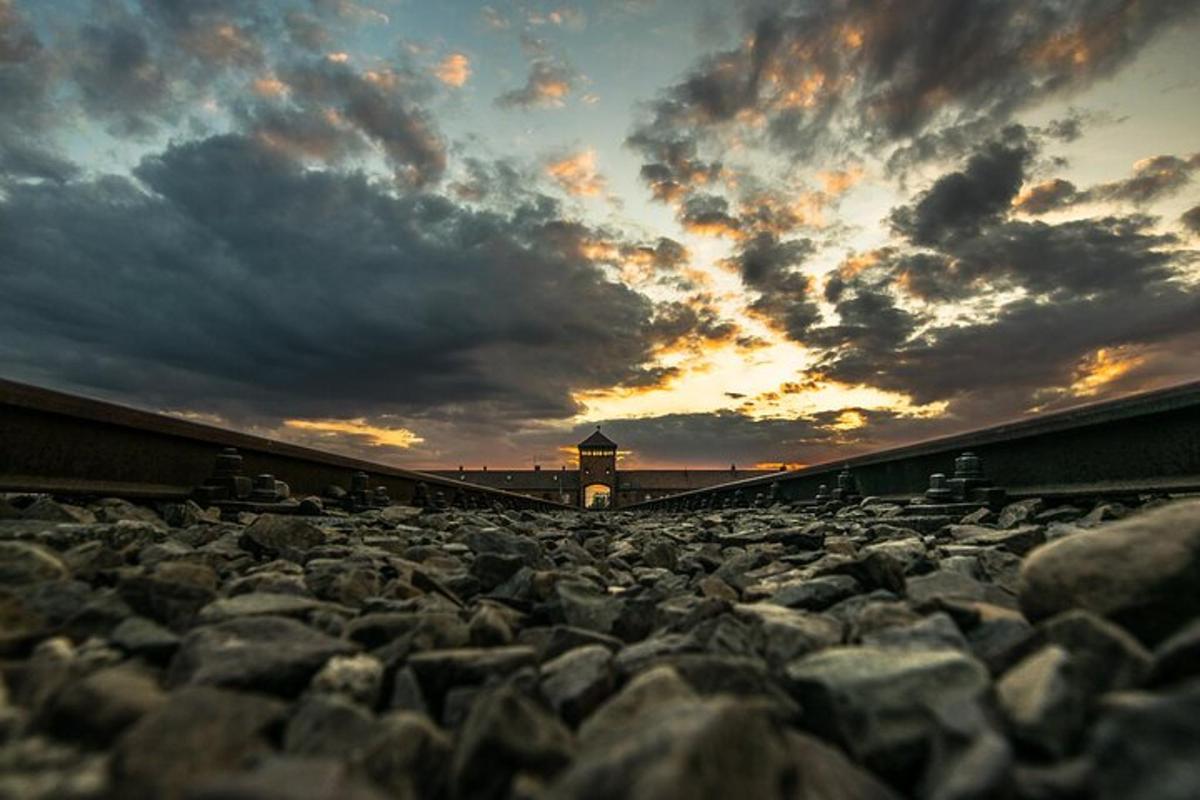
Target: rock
x,y
114,509
1014,514
585,606
1018,541
944,584
715,748
561,638
440,670
1043,702
289,778
578,681
816,594
642,697
142,637
200,732
99,706
267,654
493,569
409,631
408,756
489,628
506,733
46,509
1106,657
1178,658
172,596
824,773
660,553
788,634
259,604
276,536
23,563
358,677
934,632
1140,572
1147,746
878,703
712,586
328,725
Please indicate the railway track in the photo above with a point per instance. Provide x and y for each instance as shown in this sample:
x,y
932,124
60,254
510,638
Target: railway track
x,y
69,445
66,444
1146,443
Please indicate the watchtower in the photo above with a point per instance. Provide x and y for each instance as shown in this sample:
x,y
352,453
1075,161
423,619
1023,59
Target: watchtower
x,y
597,471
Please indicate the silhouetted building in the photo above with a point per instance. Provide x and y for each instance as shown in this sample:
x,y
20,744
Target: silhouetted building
x,y
597,483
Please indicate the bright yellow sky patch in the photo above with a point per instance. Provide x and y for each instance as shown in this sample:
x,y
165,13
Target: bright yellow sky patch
x,y
374,435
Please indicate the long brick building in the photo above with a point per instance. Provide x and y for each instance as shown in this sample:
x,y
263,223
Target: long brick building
x,y
597,483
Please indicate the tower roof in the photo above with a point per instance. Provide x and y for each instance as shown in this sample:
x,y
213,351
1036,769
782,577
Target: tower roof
x,y
598,439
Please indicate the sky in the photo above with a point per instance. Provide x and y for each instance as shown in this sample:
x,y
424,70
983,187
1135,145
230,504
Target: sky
x,y
436,233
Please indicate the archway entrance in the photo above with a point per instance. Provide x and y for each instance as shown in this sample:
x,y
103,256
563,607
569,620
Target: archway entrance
x,y
597,496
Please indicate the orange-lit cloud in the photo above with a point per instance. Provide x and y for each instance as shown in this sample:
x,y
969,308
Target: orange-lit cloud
x,y
838,182
269,86
1102,368
360,429
454,70
577,175
338,58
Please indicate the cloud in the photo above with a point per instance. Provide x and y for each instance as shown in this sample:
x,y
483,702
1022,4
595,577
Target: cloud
x,y
863,76
576,174
959,202
548,85
454,70
1152,179
1191,220
381,105
284,292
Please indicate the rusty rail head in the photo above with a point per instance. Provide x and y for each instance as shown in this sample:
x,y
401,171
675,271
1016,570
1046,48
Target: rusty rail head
x,y
1144,442
63,443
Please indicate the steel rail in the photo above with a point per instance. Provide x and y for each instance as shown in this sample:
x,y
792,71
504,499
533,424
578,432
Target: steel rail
x,y
1148,442
70,445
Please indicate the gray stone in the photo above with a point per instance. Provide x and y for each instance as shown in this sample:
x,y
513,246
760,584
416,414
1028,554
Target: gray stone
x,y
934,632
408,756
358,677
1014,514
328,725
46,509
1147,746
578,681
1043,703
200,733
788,634
1140,572
276,536
259,604
816,594
585,606
99,706
289,778
267,654
639,700
506,733
715,748
1107,657
24,563
440,670
879,703
1178,658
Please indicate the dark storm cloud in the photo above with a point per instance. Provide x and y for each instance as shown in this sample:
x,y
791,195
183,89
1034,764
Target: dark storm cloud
x,y
380,105
1191,220
864,74
27,78
1097,255
548,85
960,202
305,30
1152,179
1028,346
709,214
769,266
247,285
